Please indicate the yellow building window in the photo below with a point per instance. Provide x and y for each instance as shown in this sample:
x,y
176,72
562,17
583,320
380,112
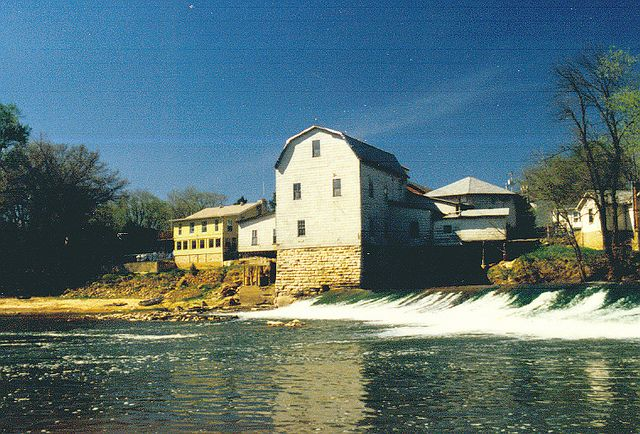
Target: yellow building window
x,y
204,226
178,245
192,227
193,244
229,225
202,244
216,224
210,243
217,242
185,245
180,229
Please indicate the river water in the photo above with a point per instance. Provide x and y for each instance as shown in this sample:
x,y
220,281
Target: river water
x,y
531,361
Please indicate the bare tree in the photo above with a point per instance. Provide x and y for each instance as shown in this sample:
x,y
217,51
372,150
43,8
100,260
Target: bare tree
x,y
587,89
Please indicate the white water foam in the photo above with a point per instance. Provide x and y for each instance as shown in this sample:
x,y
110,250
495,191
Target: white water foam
x,y
494,313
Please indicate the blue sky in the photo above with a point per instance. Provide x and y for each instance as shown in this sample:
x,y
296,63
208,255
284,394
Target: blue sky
x,y
204,93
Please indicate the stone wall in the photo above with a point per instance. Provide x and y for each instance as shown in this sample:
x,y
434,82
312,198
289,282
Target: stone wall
x,y
306,271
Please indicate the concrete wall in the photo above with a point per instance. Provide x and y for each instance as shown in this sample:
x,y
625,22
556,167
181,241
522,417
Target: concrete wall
x,y
329,221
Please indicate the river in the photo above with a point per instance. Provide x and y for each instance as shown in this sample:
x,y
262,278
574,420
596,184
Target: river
x,y
560,360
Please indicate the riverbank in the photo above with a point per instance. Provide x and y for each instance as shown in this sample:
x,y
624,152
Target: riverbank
x,y
248,298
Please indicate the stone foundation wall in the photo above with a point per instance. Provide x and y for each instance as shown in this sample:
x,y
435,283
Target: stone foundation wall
x,y
306,271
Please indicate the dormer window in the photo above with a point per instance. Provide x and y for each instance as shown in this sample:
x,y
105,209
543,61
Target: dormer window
x,y
315,148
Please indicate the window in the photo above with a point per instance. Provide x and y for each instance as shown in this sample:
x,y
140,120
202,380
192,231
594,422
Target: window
x,y
414,229
576,216
192,227
210,243
193,244
180,229
447,229
204,226
202,244
229,225
590,215
234,243
297,191
301,228
315,148
217,242
227,244
254,237
216,224
337,187
185,245
274,236
370,188
386,192
178,245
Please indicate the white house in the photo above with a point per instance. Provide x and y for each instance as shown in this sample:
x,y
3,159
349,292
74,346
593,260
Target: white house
x,y
585,219
257,235
475,193
337,198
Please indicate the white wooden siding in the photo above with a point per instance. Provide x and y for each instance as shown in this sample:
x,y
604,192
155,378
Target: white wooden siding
x,y
264,227
378,219
329,221
470,230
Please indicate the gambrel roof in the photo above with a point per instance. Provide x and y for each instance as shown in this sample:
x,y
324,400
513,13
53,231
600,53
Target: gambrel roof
x,y
370,155
468,185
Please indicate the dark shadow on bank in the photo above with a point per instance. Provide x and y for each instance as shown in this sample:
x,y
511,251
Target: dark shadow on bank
x,y
423,267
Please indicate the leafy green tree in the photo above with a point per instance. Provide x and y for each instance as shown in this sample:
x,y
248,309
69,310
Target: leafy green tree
x,y
562,181
49,214
241,201
12,131
142,209
191,200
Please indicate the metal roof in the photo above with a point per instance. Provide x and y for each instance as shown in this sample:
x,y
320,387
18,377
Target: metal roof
x,y
370,155
221,211
483,212
468,185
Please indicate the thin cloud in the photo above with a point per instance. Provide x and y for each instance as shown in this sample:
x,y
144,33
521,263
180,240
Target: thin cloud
x,y
450,97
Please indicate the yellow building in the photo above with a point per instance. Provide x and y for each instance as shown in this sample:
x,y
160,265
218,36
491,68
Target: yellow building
x,y
210,236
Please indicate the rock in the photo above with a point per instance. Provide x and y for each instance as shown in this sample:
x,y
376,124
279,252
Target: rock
x,y
151,301
234,301
275,324
294,323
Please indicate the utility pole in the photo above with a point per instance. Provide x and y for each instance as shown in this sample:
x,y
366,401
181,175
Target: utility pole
x,y
636,220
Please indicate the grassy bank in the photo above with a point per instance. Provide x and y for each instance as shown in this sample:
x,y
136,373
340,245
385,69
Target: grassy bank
x,y
549,264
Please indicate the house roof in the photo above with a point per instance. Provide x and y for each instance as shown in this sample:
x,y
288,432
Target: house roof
x,y
483,212
221,211
416,188
625,197
468,185
370,155
269,214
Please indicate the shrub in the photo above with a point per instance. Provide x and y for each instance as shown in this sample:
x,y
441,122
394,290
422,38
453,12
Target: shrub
x,y
193,270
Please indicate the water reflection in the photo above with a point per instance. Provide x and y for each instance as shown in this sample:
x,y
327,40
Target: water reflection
x,y
328,376
321,387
